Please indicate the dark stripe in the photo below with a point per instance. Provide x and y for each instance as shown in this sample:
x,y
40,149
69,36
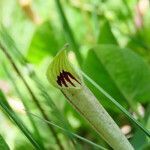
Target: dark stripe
x,y
71,76
66,77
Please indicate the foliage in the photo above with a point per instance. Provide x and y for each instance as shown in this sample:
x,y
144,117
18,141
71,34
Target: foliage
x,y
108,40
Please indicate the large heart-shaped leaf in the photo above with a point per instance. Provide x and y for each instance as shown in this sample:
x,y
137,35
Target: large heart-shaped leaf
x,y
106,36
121,72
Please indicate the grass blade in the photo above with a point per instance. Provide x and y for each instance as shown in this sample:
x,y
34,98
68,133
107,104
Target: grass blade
x,y
33,96
10,113
73,134
16,54
112,100
68,31
7,41
25,105
3,144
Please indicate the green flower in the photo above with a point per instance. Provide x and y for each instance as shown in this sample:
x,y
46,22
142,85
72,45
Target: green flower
x,y
62,74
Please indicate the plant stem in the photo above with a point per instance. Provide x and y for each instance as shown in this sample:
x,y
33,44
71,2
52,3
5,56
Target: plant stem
x,y
88,106
34,98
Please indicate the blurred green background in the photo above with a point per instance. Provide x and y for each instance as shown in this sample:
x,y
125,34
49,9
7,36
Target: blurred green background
x,y
109,40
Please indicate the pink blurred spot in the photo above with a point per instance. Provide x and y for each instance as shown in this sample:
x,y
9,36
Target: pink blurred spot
x,y
4,86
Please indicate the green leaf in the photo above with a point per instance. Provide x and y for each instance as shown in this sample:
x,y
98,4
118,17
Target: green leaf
x,y
121,72
43,43
106,36
139,140
3,144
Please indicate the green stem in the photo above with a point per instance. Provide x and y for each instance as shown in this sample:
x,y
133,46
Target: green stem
x,y
88,106
3,144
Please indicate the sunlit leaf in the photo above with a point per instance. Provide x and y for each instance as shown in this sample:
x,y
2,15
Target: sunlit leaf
x,y
121,72
43,43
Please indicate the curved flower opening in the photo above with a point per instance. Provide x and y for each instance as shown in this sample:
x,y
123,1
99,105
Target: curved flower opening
x,y
62,74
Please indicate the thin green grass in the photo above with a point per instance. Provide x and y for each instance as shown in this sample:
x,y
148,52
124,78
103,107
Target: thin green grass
x,y
33,96
3,144
68,31
36,131
33,76
68,132
8,42
11,114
